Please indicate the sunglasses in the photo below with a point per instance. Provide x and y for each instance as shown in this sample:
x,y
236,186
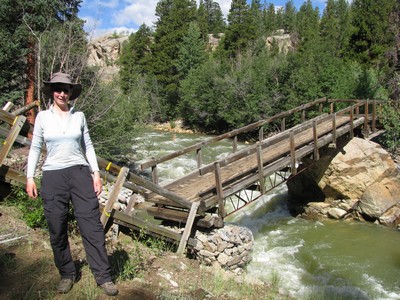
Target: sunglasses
x,y
59,89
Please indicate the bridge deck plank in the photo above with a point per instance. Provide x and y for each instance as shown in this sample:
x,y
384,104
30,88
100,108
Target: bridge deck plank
x,y
202,187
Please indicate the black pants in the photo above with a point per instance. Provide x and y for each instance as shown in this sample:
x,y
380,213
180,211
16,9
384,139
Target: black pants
x,y
57,189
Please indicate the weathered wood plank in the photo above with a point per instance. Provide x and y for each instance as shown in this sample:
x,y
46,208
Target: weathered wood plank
x,y
113,196
13,134
188,228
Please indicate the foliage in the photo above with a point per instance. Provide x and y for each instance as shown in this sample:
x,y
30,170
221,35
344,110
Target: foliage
x,y
32,210
25,25
240,30
115,118
192,51
390,118
372,35
221,96
134,56
174,17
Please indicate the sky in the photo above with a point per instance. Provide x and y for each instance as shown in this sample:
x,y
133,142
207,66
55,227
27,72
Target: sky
x,y
109,16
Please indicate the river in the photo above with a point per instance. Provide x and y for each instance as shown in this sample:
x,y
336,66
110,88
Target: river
x,y
311,259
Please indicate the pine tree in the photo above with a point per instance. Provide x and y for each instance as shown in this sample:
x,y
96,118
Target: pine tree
x,y
335,25
192,51
307,20
289,17
240,30
173,19
270,23
372,37
135,56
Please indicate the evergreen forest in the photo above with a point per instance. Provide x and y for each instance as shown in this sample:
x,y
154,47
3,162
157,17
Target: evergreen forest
x,y
172,71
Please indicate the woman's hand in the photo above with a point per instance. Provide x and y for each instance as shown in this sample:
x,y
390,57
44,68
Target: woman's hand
x,y
31,188
97,184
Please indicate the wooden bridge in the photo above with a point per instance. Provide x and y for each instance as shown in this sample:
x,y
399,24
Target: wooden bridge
x,y
207,194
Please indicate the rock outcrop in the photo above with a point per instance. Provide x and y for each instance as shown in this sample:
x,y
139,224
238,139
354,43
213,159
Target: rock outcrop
x,y
104,52
361,181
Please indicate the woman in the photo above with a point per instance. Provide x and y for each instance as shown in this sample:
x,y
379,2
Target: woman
x,y
70,172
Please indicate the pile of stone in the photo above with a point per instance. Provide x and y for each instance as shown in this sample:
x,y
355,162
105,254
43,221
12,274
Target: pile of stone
x,y
124,197
229,247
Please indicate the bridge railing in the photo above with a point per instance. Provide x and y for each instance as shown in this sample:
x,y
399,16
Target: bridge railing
x,y
316,106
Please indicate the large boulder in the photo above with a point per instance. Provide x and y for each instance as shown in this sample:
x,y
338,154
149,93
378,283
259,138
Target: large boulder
x,y
358,165
361,172
380,196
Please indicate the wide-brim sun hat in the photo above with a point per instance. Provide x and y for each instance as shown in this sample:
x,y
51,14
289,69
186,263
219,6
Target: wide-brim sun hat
x,y
64,78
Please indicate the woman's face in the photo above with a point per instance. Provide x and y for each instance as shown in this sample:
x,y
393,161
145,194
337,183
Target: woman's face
x,y
61,94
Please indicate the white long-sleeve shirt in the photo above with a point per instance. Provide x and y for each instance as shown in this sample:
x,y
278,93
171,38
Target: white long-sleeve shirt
x,y
67,141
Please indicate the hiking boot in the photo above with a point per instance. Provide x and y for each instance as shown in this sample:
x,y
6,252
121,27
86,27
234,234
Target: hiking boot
x,y
65,285
109,288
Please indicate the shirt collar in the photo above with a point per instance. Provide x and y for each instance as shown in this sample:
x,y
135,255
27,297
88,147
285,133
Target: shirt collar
x,y
71,108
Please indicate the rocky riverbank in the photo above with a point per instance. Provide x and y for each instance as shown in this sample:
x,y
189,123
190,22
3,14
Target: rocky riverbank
x,y
358,181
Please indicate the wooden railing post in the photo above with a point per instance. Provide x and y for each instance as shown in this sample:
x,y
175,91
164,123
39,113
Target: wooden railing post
x,y
303,116
261,134
220,192
334,129
283,126
332,107
293,154
154,174
234,144
366,131
315,134
199,158
352,121
373,116
260,169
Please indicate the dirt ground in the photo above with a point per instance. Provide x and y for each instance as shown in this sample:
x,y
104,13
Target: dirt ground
x,y
27,270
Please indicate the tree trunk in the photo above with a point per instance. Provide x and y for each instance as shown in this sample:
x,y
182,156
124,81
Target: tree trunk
x,y
30,89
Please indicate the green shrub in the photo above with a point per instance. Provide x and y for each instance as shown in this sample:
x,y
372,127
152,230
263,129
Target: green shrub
x,y
32,210
390,119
